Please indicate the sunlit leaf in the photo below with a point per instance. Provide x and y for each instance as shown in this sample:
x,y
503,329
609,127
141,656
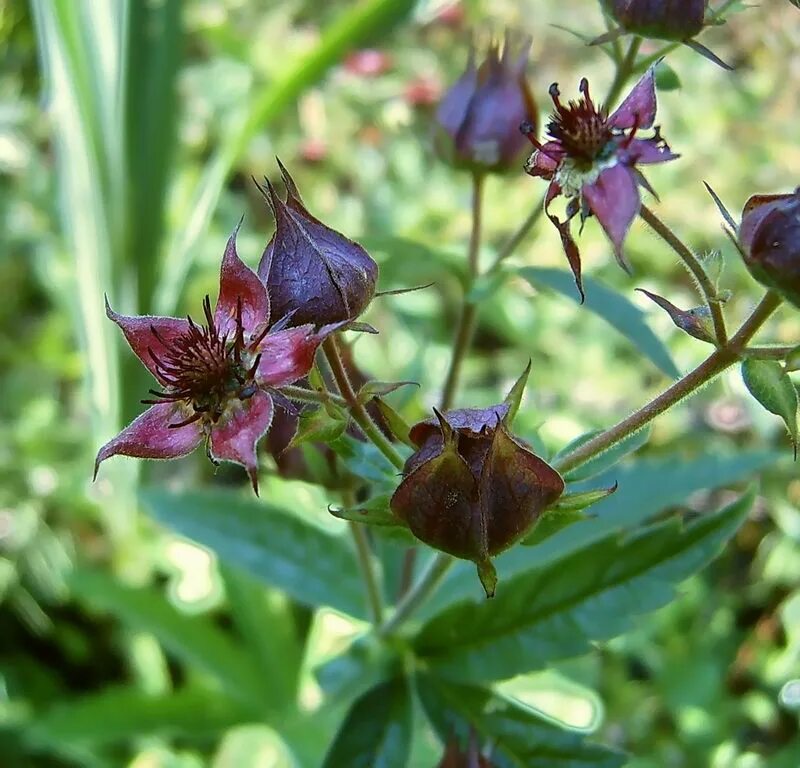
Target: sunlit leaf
x,y
516,734
614,308
376,732
280,548
555,611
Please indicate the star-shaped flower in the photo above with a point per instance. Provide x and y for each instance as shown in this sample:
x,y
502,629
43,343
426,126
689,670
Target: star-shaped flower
x,y
218,378
592,158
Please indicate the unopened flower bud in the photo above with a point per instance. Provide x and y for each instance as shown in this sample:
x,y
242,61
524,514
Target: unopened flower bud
x,y
312,273
478,118
472,489
676,20
770,238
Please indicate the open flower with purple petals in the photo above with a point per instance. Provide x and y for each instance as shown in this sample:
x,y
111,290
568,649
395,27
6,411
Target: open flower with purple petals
x,y
592,158
217,378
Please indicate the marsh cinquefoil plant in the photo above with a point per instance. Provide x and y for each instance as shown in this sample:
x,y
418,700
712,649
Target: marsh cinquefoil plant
x,y
460,485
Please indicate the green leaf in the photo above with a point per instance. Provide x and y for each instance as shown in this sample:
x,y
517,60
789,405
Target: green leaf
x,y
365,461
313,566
153,55
376,732
550,524
667,78
378,388
80,51
514,396
557,610
605,460
614,308
399,427
517,734
771,386
251,745
117,714
193,639
360,23
646,489
279,651
568,510
374,511
317,425
793,359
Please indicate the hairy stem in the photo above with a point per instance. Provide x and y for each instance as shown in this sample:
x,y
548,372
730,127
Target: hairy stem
x,y
428,581
695,267
303,395
469,310
709,369
625,69
357,410
365,562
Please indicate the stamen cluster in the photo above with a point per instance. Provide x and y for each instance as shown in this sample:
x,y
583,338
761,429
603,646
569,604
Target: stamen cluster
x,y
580,126
204,368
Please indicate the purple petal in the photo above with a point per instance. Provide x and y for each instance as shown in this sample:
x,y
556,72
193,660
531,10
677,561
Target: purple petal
x,y
239,285
544,161
454,106
145,333
614,199
287,356
150,436
567,241
648,151
639,107
235,436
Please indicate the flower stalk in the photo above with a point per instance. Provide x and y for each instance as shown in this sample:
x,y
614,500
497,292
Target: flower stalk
x,y
721,359
371,587
694,266
357,410
469,309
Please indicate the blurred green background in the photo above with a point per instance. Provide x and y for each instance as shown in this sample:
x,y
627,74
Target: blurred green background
x,y
129,132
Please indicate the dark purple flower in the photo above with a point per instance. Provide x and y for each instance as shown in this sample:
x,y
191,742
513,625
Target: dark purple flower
x,y
478,117
592,158
472,489
770,240
676,20
215,377
313,273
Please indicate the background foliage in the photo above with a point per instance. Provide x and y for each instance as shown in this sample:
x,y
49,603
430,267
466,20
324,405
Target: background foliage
x,y
128,135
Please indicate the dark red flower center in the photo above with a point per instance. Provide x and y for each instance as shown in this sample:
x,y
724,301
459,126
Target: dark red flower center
x,y
580,126
205,368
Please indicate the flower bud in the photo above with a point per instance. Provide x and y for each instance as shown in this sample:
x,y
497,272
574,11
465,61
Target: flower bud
x,y
472,489
478,118
770,238
312,272
676,20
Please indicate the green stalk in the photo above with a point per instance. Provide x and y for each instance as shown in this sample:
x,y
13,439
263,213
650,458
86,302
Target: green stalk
x,y
418,594
469,309
697,270
709,369
357,410
624,71
364,553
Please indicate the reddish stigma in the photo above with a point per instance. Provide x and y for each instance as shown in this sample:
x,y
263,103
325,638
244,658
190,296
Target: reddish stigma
x,y
204,368
581,127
